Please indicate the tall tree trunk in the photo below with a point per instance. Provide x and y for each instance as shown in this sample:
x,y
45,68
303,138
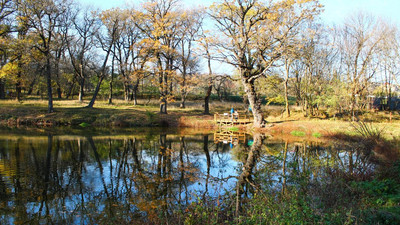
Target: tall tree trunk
x,y
353,101
135,90
305,106
285,83
18,88
2,89
207,99
353,108
59,92
110,96
103,72
183,100
31,85
163,105
71,88
255,102
219,93
96,92
287,99
298,92
81,88
18,84
183,90
163,86
183,84
2,80
210,84
49,88
126,90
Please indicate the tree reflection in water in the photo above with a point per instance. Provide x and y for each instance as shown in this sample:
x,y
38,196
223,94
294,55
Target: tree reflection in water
x,y
157,178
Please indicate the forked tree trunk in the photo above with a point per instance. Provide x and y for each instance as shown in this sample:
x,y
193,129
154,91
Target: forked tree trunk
x,y
255,102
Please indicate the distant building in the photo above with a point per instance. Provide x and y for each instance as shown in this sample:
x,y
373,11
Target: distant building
x,y
383,103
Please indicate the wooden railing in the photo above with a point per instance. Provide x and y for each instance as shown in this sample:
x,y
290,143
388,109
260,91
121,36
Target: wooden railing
x,y
228,119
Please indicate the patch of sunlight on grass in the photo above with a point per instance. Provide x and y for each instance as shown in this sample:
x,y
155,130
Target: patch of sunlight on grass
x,y
298,133
317,134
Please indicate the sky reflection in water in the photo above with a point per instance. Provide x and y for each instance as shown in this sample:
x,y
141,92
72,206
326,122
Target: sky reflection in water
x,y
64,179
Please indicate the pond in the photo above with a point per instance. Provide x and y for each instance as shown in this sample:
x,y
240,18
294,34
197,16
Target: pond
x,y
152,176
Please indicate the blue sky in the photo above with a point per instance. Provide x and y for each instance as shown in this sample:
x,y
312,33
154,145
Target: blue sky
x,y
335,10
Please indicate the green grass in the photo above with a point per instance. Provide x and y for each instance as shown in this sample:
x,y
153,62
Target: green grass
x,y
298,133
317,134
84,124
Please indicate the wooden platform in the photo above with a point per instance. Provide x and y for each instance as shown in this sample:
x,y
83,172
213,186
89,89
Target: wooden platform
x,y
227,120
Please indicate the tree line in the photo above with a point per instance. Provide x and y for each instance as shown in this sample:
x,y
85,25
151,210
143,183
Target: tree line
x,y
278,49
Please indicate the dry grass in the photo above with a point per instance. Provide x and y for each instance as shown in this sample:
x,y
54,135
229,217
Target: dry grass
x,y
122,113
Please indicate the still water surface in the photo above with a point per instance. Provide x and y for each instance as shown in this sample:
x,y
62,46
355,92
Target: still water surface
x,y
88,179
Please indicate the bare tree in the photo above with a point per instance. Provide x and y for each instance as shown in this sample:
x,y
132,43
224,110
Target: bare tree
x,y
253,35
390,59
44,18
359,43
111,22
190,30
162,27
79,43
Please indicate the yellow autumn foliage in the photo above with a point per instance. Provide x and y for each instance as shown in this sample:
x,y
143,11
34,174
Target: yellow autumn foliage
x,y
10,69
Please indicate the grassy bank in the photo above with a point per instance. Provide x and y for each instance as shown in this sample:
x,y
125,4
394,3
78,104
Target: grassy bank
x,y
123,114
74,113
